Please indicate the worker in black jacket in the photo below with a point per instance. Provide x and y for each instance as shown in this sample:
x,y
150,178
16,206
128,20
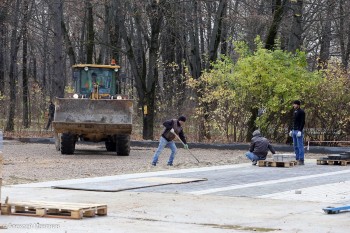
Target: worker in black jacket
x,y
51,115
297,132
172,127
259,148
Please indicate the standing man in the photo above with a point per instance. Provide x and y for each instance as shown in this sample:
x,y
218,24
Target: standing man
x,y
259,148
297,132
51,115
172,127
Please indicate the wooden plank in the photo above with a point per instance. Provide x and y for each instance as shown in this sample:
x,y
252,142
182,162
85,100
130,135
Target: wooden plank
x,y
102,211
89,213
58,205
5,210
77,214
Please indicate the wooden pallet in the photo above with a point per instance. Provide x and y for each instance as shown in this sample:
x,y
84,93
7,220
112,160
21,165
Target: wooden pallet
x,y
268,163
54,209
333,162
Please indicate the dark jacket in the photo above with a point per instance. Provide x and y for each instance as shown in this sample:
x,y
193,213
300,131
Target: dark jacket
x,y
260,146
173,124
299,119
51,110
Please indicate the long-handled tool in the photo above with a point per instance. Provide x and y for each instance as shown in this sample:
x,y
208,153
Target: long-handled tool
x,y
187,147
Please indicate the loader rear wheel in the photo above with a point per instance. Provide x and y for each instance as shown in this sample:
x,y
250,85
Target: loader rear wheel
x,y
110,145
67,144
123,145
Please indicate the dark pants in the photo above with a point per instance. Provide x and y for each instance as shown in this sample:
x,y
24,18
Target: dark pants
x,y
49,122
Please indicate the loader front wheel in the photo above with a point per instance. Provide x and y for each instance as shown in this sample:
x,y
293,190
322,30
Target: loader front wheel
x,y
110,145
67,144
123,145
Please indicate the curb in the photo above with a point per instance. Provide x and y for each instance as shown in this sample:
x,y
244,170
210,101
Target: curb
x,y
216,146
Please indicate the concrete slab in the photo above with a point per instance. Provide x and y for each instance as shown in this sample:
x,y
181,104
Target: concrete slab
x,y
122,185
155,211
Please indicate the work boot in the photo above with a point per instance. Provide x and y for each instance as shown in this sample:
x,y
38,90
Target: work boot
x,y
254,162
301,162
170,164
154,164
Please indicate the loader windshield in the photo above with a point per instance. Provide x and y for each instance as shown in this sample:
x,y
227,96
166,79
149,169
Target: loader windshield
x,y
103,77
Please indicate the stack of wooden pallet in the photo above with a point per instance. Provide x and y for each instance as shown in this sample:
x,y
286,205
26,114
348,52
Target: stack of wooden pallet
x,y
342,159
279,160
54,209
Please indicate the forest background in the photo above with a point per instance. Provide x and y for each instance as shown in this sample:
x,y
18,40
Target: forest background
x,y
230,66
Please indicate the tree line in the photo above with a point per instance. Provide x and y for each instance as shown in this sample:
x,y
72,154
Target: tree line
x,y
161,46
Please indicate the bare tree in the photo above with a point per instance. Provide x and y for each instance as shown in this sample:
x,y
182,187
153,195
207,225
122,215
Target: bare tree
x,y
279,10
344,31
58,82
15,39
3,51
25,91
90,33
145,71
326,34
295,39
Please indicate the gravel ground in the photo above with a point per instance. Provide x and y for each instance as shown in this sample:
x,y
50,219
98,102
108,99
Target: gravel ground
x,y
29,162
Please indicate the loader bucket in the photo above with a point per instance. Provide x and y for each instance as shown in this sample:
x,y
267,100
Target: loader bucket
x,y
87,116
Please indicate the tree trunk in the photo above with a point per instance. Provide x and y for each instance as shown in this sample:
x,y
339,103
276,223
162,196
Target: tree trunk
x,y
2,50
251,123
69,45
344,39
277,18
90,34
15,39
216,32
58,82
25,91
326,36
115,34
194,55
295,39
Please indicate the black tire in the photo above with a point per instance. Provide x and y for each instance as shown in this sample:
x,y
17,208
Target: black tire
x,y
67,144
111,146
123,145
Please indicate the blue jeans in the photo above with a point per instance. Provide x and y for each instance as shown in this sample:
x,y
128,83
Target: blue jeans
x,y
298,143
162,144
252,156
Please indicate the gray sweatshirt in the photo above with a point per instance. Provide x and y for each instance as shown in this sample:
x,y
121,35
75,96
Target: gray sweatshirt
x,y
260,146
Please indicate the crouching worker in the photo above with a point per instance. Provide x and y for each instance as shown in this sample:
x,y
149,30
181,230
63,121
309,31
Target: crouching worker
x,y
259,147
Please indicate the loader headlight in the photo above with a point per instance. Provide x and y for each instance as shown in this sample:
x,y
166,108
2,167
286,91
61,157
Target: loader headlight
x,y
75,96
119,97
86,68
116,69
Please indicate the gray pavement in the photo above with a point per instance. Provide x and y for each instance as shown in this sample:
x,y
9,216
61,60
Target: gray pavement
x,y
235,198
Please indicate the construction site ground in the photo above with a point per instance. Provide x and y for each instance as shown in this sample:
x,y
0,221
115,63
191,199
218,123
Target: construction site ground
x,y
230,196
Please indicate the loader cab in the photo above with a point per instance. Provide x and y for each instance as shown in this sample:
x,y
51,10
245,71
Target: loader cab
x,y
95,79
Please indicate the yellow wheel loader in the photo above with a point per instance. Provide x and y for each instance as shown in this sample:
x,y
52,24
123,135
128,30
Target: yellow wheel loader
x,y
96,112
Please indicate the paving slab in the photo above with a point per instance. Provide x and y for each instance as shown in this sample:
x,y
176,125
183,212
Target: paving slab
x,y
209,206
128,184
